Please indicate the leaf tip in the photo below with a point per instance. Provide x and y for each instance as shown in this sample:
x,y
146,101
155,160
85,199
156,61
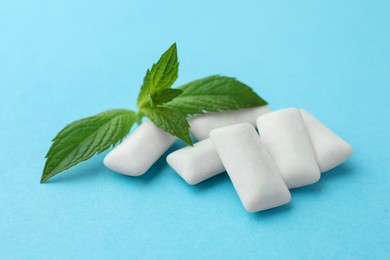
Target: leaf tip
x,y
44,178
187,139
173,49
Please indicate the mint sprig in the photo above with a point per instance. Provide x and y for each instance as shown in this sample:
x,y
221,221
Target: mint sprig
x,y
165,106
156,90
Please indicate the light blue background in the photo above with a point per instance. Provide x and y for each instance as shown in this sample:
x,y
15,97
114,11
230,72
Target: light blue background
x,y
63,60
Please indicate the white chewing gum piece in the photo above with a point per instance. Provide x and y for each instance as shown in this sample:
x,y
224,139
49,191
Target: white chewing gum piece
x,y
285,136
198,163
250,167
135,155
201,125
329,148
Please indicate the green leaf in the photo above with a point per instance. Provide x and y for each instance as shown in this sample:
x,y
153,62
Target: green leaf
x,y
83,138
214,93
162,75
173,122
165,95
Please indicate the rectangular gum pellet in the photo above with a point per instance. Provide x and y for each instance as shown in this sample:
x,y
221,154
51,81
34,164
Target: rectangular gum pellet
x,y
284,134
198,163
330,149
250,167
137,153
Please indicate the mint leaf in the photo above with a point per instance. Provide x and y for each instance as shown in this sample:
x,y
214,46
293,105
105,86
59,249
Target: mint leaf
x,y
162,75
83,138
173,122
214,93
165,95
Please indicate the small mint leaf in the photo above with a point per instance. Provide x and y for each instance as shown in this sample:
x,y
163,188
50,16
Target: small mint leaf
x,y
213,94
81,139
171,121
162,75
165,95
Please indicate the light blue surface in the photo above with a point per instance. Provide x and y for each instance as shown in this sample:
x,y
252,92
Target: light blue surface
x,y
63,60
